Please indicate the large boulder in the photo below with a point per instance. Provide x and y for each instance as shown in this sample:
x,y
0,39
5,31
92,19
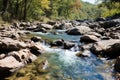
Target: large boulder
x,y
89,38
8,44
14,61
107,48
78,30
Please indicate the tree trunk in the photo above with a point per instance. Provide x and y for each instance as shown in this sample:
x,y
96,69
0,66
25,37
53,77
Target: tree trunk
x,y
5,5
25,10
16,9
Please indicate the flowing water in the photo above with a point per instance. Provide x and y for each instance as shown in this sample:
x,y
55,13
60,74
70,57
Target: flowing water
x,y
65,65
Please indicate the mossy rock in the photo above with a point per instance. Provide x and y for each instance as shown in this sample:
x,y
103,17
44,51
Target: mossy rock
x,y
79,54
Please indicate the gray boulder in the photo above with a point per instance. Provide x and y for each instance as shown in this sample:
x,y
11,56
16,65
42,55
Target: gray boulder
x,y
89,38
78,30
8,44
107,48
14,61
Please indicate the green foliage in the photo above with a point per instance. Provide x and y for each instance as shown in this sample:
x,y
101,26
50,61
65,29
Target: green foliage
x,y
47,9
110,8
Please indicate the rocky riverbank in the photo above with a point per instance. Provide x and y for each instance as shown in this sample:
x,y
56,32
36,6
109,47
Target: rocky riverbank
x,y
100,36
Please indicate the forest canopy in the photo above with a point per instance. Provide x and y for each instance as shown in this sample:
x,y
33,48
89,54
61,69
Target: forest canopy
x,y
56,9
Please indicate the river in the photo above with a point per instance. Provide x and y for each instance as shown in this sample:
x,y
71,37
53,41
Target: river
x,y
65,65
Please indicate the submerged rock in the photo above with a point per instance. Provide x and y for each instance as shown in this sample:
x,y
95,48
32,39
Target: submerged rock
x,y
85,53
43,67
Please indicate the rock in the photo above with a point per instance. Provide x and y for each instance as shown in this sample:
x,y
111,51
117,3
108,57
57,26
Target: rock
x,y
51,22
16,24
43,67
8,44
2,56
58,25
94,25
95,34
100,19
89,38
58,42
108,24
100,30
107,48
63,44
86,47
63,25
85,53
14,61
2,28
117,76
36,48
36,39
11,34
117,65
84,24
78,30
115,35
68,45
46,26
68,25
40,30
31,28
25,24
24,56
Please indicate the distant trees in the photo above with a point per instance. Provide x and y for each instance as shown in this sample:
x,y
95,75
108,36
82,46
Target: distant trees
x,y
40,9
110,7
